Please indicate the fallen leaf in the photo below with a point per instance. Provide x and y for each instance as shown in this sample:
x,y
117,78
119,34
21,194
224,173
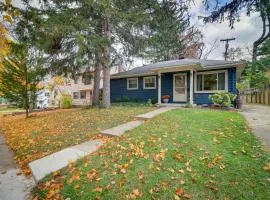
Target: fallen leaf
x,y
179,192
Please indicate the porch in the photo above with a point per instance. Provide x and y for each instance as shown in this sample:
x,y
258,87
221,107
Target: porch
x,y
178,85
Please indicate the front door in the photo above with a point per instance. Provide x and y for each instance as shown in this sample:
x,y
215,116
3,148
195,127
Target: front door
x,y
179,87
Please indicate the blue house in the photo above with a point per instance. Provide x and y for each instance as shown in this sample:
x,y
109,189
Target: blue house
x,y
185,81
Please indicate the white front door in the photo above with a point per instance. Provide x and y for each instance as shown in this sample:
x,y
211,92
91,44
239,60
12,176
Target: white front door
x,y
180,87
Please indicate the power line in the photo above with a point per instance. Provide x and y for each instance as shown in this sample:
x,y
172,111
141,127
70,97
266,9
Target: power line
x,y
226,40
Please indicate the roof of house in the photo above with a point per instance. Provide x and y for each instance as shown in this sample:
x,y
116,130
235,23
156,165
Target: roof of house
x,y
201,64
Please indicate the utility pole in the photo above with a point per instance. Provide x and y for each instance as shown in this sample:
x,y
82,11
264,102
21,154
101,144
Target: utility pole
x,y
227,40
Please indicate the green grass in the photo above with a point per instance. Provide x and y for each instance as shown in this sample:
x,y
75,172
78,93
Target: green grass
x,y
8,110
206,153
48,132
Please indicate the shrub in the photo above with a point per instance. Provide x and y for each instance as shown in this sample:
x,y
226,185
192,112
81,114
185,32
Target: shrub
x,y
66,101
136,100
125,99
117,100
154,101
222,99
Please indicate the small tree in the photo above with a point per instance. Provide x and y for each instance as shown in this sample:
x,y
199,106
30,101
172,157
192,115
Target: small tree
x,y
19,78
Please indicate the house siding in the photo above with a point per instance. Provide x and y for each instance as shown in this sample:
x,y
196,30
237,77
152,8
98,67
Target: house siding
x,y
119,88
167,84
119,91
203,98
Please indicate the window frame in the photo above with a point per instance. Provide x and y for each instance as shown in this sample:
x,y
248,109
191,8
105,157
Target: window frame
x,y
128,79
81,94
211,72
150,88
78,97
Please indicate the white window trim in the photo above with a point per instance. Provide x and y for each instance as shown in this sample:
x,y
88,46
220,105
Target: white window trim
x,y
149,88
212,72
128,79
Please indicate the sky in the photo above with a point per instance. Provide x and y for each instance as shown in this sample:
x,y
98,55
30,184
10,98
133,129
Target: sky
x,y
246,31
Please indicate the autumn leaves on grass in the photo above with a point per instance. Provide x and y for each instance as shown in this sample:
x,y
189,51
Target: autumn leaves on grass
x,y
48,132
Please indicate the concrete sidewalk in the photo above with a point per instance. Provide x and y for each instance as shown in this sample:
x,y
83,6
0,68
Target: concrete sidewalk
x,y
12,186
121,129
154,113
54,162
44,166
258,117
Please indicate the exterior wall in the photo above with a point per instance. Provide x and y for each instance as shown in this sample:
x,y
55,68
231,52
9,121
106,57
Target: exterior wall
x,y
167,84
119,91
119,88
68,88
203,98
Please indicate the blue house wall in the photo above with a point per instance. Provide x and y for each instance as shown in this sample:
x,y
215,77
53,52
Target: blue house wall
x,y
119,89
203,98
167,84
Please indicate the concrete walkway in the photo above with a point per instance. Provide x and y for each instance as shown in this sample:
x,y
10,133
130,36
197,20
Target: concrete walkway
x,y
258,117
12,186
154,113
46,165
120,130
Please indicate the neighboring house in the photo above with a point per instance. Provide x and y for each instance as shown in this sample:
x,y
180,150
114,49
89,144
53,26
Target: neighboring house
x,y
80,90
43,99
185,81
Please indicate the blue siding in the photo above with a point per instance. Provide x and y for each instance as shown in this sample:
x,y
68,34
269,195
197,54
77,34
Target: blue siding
x,y
119,88
203,98
119,91
167,85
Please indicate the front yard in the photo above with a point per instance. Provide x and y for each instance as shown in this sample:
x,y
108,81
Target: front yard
x,y
48,132
182,154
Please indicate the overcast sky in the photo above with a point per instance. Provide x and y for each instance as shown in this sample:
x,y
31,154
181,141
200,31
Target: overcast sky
x,y
246,31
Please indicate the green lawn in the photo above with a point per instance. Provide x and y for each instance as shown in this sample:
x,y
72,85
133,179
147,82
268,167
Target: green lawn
x,y
8,110
48,132
182,154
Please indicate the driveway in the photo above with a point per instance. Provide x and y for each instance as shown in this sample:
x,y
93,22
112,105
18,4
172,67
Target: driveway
x,y
258,117
13,185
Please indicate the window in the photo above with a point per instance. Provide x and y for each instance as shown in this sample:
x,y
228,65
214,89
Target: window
x,y
75,95
149,82
83,94
132,83
87,78
211,81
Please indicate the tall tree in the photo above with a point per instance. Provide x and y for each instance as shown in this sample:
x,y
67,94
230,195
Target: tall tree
x,y
19,78
231,11
172,36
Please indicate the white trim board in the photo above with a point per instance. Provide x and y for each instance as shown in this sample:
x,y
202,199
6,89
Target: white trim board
x,y
211,72
149,88
128,84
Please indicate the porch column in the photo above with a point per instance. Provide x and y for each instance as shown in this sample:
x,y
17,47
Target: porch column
x,y
191,87
159,88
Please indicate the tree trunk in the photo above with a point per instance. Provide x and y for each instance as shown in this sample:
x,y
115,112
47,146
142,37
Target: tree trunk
x,y
106,66
106,87
96,82
265,17
26,93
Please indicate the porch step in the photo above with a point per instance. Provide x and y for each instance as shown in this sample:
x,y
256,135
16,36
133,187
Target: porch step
x,y
154,113
121,129
54,162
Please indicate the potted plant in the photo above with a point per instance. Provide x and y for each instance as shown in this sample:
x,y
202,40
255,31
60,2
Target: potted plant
x,y
165,98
